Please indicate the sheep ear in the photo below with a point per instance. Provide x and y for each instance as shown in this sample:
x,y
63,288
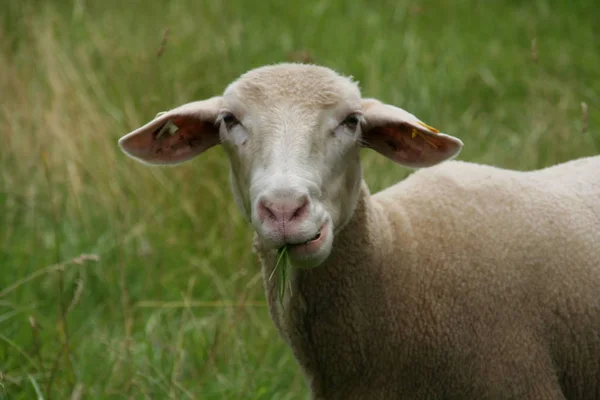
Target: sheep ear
x,y
176,135
403,138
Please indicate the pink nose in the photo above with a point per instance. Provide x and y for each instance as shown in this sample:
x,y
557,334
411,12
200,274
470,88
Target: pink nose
x,y
283,211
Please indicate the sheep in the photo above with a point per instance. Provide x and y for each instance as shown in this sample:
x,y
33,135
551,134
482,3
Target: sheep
x,y
462,281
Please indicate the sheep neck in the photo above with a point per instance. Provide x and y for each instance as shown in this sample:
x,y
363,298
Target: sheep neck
x,y
323,311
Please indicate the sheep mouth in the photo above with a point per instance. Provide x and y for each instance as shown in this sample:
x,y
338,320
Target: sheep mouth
x,y
316,237
310,247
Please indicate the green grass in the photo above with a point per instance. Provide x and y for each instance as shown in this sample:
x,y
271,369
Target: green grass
x,y
174,305
282,268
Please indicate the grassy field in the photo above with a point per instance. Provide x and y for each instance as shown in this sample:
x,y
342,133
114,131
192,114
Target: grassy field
x,y
122,281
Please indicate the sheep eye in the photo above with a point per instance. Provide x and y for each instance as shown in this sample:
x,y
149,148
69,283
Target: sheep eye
x,y
351,121
229,120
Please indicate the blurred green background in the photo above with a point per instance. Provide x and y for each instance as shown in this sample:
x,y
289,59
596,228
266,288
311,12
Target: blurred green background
x,y
167,301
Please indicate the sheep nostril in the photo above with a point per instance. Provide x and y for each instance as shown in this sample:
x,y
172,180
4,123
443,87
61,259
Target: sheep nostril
x,y
300,211
297,213
266,211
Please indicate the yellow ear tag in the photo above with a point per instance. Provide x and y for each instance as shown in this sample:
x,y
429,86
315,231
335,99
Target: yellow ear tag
x,y
431,128
169,127
425,138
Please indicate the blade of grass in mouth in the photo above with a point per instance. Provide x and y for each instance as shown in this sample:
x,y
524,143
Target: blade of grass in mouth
x,y
282,266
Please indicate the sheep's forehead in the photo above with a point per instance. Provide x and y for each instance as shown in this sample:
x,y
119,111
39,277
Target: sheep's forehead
x,y
303,87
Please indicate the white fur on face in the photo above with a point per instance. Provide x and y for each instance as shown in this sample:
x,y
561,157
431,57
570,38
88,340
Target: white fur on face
x,y
283,145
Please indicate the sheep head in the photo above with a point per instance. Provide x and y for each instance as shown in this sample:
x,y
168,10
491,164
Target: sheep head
x,y
292,134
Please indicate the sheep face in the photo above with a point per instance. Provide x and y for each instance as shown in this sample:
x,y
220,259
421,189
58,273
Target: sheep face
x,y
292,134
292,137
